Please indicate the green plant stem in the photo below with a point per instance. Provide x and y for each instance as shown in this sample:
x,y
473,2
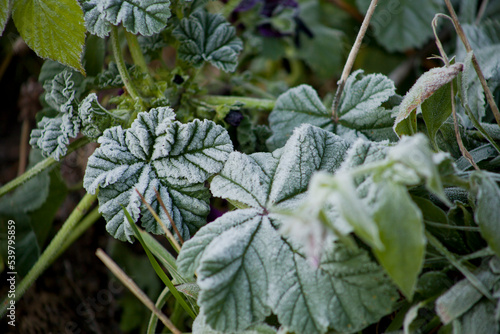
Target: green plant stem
x,y
458,264
160,302
351,58
136,53
40,167
478,126
130,284
249,102
79,229
120,63
465,42
52,250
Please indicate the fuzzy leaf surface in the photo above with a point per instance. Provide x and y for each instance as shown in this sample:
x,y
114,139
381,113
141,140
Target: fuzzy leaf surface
x,y
400,25
430,82
53,134
360,100
487,214
156,153
52,28
396,216
243,262
145,17
208,37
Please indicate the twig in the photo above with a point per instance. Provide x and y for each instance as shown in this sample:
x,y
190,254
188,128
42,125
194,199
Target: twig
x,y
481,11
465,41
444,57
130,284
351,58
169,234
174,226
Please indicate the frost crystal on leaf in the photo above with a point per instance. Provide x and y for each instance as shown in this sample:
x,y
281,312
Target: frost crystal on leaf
x,y
145,17
247,269
359,108
156,153
208,37
53,134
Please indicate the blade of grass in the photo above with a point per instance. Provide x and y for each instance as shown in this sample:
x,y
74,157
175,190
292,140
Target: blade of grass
x,y
169,234
158,269
130,284
164,256
153,320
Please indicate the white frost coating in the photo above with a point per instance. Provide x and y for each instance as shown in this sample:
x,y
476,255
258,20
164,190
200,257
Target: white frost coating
x,y
244,265
52,135
233,268
145,17
296,106
309,149
365,94
124,163
414,152
243,179
208,37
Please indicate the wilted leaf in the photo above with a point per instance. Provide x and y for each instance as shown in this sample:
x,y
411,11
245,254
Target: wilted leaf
x,y
52,28
425,86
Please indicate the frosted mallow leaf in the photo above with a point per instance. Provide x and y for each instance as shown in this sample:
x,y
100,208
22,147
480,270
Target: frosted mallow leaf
x,y
145,17
52,134
248,270
208,37
156,152
358,109
365,93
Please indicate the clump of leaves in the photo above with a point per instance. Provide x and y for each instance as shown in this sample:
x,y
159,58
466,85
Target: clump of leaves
x,y
337,216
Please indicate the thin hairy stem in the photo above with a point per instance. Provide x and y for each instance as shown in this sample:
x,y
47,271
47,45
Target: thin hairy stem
x,y
40,167
120,63
249,102
465,42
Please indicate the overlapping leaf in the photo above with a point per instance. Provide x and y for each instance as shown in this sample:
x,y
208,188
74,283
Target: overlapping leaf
x,y
358,107
145,17
156,153
208,37
52,28
246,269
403,24
53,134
5,8
428,84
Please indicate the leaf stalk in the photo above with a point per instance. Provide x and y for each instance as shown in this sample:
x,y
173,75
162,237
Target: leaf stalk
x,y
40,167
465,42
351,58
